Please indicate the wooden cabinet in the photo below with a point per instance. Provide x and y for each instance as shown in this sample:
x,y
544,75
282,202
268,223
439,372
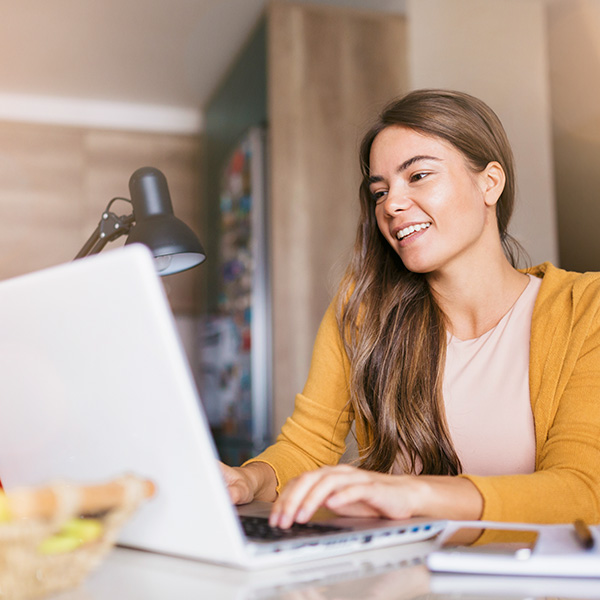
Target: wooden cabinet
x,y
328,72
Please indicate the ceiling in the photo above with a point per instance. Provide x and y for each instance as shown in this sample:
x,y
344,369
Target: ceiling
x,y
148,57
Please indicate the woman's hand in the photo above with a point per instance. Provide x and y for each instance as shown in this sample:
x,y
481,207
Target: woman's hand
x,y
255,481
349,491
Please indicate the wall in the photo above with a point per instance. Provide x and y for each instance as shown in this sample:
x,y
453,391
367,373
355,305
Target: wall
x,y
330,71
55,182
497,50
574,49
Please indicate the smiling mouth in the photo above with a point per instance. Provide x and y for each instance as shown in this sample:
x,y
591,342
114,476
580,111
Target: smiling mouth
x,y
404,233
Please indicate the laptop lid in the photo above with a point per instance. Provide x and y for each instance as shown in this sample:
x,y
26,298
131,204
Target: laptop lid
x,y
94,382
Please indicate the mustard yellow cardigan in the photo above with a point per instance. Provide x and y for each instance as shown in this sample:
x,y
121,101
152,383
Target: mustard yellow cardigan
x,y
564,384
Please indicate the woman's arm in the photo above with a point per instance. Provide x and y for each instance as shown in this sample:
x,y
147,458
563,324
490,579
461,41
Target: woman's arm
x,y
315,434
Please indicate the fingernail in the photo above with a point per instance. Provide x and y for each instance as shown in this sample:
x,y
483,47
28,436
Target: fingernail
x,y
284,521
303,516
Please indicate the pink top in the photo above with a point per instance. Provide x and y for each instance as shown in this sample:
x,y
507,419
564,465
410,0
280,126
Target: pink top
x,y
486,394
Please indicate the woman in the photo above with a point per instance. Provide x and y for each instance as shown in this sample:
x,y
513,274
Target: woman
x,y
475,387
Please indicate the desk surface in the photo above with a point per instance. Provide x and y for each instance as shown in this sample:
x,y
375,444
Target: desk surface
x,y
133,575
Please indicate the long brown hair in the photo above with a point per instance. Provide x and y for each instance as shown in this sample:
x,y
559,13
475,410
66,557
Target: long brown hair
x,y
393,330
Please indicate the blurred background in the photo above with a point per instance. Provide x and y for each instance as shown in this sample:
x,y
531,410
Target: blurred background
x,y
253,111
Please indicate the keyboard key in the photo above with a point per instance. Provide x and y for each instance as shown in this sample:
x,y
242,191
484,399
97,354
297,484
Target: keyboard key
x,y
258,528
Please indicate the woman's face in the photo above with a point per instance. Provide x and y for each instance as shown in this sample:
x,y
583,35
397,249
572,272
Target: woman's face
x,y
430,205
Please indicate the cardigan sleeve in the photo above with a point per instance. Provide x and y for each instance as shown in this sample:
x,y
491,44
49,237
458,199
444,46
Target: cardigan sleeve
x,y
315,433
565,392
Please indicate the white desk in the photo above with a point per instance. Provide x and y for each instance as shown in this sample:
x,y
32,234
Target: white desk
x,y
132,575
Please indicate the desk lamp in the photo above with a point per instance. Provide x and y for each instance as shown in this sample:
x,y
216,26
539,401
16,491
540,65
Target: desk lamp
x,y
174,245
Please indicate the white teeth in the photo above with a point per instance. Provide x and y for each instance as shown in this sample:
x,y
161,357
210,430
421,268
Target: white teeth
x,y
411,229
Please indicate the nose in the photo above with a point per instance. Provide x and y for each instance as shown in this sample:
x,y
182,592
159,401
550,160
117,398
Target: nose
x,y
396,201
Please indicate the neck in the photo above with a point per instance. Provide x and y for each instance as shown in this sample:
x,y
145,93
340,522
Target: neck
x,y
475,299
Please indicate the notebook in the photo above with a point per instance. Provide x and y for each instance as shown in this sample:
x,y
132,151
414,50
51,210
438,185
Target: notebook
x,y
94,382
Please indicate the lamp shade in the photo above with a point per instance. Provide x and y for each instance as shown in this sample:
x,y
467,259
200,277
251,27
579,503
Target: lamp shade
x,y
173,244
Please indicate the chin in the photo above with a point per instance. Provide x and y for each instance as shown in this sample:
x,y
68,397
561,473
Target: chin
x,y
418,267
423,263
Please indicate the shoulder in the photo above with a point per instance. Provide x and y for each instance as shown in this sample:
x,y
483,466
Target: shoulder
x,y
566,295
559,285
565,326
328,334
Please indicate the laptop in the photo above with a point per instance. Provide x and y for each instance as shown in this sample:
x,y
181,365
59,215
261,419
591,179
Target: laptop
x,y
94,382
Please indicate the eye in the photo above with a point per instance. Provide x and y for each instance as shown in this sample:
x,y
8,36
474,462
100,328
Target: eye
x,y
418,176
377,195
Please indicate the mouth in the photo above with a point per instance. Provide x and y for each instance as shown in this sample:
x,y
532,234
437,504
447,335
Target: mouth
x,y
411,229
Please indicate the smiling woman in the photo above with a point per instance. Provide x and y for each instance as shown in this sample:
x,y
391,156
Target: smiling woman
x,y
474,385
432,187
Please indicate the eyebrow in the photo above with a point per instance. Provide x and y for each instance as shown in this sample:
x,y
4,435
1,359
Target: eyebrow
x,y
405,165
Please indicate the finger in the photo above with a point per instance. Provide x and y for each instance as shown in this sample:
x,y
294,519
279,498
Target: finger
x,y
285,507
308,493
227,472
238,488
237,493
333,482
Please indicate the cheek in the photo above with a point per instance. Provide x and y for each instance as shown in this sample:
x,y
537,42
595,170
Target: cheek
x,y
469,222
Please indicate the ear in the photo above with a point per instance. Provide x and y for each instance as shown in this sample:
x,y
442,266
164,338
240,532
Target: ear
x,y
493,180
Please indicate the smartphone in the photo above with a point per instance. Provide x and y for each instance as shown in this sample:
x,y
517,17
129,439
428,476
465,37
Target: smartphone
x,y
459,550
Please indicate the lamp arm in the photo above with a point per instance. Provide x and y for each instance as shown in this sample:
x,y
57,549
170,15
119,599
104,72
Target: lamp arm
x,y
110,227
152,223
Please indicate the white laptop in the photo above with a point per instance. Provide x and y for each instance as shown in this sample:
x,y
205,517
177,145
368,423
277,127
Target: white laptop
x,y
94,383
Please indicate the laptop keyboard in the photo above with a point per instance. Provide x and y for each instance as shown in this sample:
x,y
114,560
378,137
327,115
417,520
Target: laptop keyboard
x,y
258,528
